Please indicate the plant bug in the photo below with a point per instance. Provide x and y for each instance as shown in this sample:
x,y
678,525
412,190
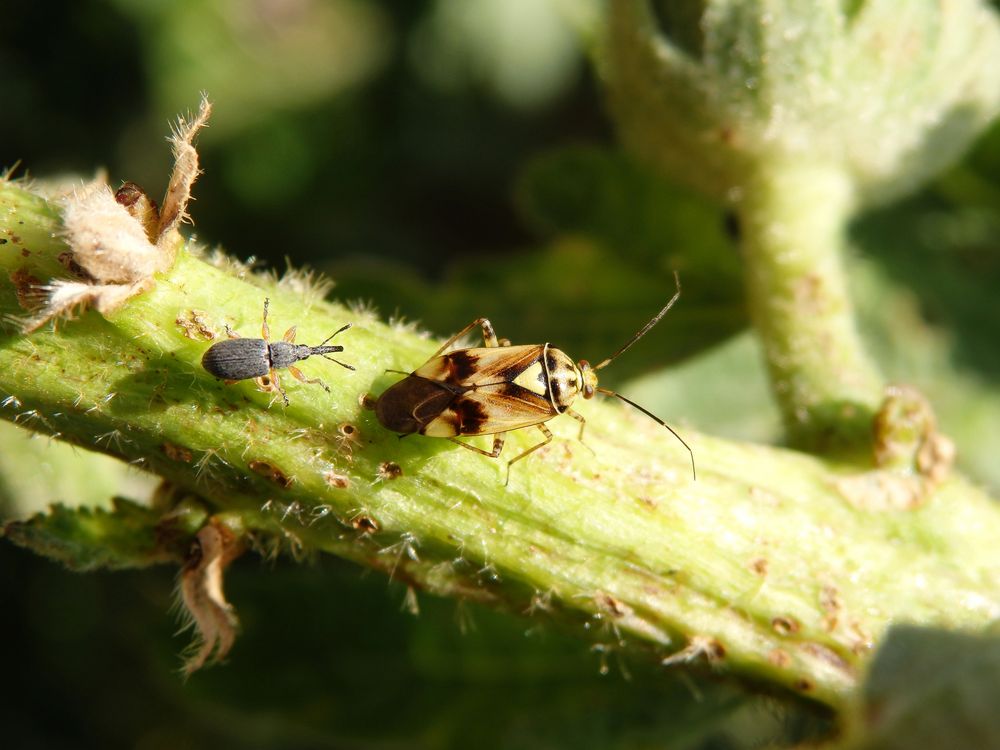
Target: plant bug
x,y
498,388
239,359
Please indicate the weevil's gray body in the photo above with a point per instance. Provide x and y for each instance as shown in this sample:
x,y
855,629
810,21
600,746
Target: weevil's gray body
x,y
240,359
260,359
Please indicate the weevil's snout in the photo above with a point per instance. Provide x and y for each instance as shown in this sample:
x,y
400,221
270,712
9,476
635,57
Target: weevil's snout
x,y
588,378
328,349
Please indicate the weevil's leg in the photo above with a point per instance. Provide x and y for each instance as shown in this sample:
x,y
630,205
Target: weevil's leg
x,y
489,336
497,446
230,333
297,374
265,330
270,384
289,335
277,386
548,439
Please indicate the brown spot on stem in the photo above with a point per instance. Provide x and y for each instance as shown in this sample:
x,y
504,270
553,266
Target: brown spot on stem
x,y
271,473
389,470
779,658
827,655
612,606
29,290
195,325
176,452
759,566
365,524
335,480
785,625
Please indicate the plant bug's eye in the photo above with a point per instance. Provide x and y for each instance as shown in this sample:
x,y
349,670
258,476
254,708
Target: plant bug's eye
x,y
588,378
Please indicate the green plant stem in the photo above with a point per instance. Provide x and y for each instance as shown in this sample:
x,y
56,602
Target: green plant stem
x,y
793,219
761,565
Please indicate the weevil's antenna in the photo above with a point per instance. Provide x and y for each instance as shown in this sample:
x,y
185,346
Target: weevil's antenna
x,y
342,364
606,392
645,328
339,330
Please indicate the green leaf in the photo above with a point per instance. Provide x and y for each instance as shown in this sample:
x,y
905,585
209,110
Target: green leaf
x,y
127,536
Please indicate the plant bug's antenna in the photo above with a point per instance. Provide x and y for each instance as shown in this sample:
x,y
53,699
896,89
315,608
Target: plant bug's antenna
x,y
644,331
590,379
607,392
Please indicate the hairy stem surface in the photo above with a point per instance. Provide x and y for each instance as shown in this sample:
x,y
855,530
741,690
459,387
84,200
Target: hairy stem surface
x,y
761,567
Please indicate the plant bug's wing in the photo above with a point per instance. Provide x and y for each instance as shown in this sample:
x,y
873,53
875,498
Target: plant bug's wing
x,y
412,403
488,410
472,368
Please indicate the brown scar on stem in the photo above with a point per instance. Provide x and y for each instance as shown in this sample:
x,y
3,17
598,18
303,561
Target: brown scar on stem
x,y
365,524
194,325
176,452
785,625
779,658
612,606
699,646
389,470
335,480
30,290
271,473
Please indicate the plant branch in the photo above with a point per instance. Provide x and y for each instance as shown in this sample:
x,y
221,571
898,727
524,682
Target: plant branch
x,y
792,224
761,567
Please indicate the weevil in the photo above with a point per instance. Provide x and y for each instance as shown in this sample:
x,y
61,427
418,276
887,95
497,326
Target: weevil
x,y
498,388
240,359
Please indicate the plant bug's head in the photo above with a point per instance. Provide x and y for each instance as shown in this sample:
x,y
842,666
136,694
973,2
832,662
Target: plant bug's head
x,y
588,373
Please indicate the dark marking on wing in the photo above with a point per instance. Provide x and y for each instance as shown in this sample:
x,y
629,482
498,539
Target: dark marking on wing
x,y
462,365
471,415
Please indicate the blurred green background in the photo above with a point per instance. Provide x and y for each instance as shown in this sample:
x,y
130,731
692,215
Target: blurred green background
x,y
441,160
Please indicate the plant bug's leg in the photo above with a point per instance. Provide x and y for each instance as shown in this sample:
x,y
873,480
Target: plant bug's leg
x,y
579,418
290,335
497,446
489,336
548,439
297,374
583,423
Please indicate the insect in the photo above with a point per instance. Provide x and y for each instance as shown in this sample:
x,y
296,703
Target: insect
x,y
239,359
498,388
